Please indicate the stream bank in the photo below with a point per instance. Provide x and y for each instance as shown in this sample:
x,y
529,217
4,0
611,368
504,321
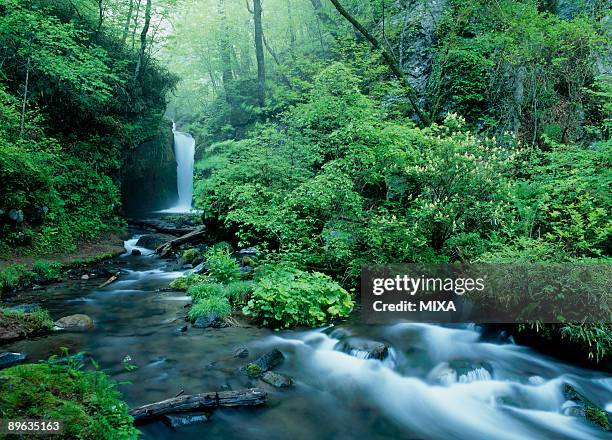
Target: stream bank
x,y
424,381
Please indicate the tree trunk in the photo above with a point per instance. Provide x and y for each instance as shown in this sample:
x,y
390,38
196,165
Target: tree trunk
x,y
290,24
25,98
167,248
136,24
128,19
100,15
259,52
198,402
143,39
389,60
224,46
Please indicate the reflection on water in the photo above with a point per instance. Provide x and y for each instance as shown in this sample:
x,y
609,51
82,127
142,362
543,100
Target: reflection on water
x,y
504,392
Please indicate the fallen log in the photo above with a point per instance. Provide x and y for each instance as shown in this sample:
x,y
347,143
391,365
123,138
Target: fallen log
x,y
194,402
167,248
110,280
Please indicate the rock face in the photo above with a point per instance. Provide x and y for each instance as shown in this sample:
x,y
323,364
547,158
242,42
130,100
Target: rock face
x,y
153,241
417,37
8,359
277,380
75,323
148,181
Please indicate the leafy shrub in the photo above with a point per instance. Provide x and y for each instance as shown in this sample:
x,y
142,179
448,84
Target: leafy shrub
x,y
14,277
25,324
49,270
214,305
205,290
185,282
86,401
221,266
286,297
190,255
596,339
239,292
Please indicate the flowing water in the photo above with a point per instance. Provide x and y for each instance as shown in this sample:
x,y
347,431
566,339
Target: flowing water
x,y
509,392
184,151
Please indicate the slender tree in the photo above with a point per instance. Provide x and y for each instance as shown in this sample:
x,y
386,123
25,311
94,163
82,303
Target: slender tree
x,y
143,39
224,47
128,19
259,52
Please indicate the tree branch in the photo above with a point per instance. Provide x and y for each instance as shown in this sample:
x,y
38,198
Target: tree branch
x,y
389,60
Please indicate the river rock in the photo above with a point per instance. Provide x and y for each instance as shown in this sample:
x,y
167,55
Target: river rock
x,y
241,352
179,421
363,348
153,241
277,380
76,322
8,359
578,405
263,364
200,268
471,371
136,252
16,215
209,320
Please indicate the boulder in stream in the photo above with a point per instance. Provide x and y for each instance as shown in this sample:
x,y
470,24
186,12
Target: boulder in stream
x,y
207,320
578,405
277,380
76,322
263,364
178,421
8,359
363,348
153,241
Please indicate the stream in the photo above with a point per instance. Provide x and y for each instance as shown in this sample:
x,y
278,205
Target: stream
x,y
510,392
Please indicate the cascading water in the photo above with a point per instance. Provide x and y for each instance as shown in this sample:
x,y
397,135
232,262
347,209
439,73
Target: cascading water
x,y
184,151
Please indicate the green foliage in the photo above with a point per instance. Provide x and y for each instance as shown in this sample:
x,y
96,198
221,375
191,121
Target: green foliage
x,y
87,402
284,297
25,324
14,277
595,339
568,200
214,305
49,270
221,266
205,290
239,292
69,110
190,255
187,281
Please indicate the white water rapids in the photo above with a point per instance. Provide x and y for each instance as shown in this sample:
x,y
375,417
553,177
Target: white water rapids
x,y
521,399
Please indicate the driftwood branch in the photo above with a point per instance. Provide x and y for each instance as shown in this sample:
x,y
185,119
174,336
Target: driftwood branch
x,y
110,280
167,248
203,401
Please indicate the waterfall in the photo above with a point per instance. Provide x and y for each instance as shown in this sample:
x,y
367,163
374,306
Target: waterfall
x,y
184,151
